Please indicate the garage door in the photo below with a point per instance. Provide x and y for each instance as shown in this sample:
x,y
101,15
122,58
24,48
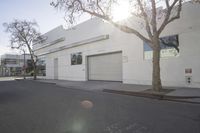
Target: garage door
x,y
105,67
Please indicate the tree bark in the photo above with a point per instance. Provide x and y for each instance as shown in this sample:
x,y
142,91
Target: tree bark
x,y
156,81
34,71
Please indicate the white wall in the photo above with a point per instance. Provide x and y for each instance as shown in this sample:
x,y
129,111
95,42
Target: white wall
x,y
136,69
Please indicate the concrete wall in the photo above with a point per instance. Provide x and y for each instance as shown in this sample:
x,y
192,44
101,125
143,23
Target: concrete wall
x,y
136,69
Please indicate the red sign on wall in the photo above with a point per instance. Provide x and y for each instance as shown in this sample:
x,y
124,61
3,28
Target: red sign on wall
x,y
188,70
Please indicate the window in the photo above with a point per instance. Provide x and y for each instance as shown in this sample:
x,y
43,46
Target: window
x,y
10,61
169,47
41,66
76,58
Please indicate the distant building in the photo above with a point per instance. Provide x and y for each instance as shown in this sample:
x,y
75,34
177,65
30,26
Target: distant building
x,y
13,65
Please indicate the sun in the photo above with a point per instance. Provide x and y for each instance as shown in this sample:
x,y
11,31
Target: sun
x,y
121,10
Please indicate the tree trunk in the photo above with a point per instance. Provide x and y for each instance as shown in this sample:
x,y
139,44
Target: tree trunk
x,y
156,81
34,72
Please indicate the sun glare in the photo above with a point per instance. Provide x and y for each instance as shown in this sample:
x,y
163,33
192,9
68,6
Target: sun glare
x,y
121,10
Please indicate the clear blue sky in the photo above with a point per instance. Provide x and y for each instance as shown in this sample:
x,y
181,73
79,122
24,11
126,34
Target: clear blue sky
x,y
39,10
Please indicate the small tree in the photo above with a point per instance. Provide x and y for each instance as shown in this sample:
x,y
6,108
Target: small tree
x,y
22,35
153,18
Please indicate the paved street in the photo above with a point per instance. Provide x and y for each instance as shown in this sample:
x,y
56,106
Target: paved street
x,y
34,107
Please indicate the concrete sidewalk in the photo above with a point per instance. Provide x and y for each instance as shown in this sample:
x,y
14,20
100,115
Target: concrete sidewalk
x,y
177,93
96,85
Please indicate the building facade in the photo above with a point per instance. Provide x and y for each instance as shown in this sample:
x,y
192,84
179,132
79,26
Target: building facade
x,y
13,65
95,50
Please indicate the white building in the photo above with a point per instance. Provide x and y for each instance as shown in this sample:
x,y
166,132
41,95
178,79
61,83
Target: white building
x,y
95,50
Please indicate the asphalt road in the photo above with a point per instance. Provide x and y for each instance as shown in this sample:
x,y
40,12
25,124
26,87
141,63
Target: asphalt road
x,y
33,107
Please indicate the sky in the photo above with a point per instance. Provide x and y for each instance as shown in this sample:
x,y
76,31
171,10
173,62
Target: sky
x,y
40,11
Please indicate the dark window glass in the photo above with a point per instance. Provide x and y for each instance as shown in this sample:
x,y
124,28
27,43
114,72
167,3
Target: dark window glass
x,y
169,47
76,58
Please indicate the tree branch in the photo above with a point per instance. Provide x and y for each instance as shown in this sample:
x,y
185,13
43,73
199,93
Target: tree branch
x,y
119,26
153,19
167,3
177,16
123,28
97,1
167,19
145,17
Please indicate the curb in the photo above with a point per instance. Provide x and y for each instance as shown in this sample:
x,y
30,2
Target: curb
x,y
19,79
44,82
35,81
154,96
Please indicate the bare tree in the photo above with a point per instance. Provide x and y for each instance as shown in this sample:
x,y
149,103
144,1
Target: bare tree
x,y
22,35
153,19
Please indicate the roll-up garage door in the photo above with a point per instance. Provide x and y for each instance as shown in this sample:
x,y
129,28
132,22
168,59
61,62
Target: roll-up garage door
x,y
105,67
